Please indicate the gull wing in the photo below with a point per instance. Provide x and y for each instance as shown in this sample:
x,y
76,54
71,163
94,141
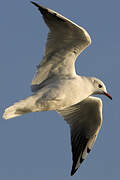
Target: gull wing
x,y
85,120
65,41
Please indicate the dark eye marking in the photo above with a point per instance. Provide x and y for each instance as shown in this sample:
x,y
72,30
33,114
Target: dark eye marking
x,y
100,86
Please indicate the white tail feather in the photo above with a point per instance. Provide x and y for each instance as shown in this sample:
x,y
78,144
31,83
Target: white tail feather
x,y
10,112
19,108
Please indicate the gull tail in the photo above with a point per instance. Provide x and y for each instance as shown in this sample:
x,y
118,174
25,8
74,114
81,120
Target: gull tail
x,y
19,108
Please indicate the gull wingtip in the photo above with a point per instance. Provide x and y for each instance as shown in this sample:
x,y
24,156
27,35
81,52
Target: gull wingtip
x,y
34,3
73,171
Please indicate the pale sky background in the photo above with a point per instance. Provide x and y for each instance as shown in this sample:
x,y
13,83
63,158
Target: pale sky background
x,y
37,146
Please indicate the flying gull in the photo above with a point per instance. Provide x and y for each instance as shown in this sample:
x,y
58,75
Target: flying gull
x,y
56,86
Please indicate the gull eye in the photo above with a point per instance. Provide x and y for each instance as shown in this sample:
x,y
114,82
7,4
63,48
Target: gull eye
x,y
100,86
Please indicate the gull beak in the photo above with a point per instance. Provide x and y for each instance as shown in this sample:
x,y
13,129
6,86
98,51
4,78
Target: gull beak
x,y
108,95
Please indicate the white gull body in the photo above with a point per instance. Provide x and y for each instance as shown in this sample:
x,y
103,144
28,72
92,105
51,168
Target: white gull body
x,y
56,86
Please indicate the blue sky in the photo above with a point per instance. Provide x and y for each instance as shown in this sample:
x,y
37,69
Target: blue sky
x,y
37,145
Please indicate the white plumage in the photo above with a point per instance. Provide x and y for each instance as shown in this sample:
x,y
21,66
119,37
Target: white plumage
x,y
56,86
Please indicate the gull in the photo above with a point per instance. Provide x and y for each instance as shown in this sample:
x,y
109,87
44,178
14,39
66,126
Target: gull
x,y
57,86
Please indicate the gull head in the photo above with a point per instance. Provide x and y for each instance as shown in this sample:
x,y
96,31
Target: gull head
x,y
100,88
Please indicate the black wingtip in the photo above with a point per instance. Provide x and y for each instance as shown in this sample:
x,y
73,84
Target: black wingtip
x,y
73,171
42,9
35,3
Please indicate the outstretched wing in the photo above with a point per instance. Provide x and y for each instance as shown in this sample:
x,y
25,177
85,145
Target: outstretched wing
x,y
85,119
65,42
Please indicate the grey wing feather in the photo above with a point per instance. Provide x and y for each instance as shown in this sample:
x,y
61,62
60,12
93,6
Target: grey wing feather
x,y
85,119
65,42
